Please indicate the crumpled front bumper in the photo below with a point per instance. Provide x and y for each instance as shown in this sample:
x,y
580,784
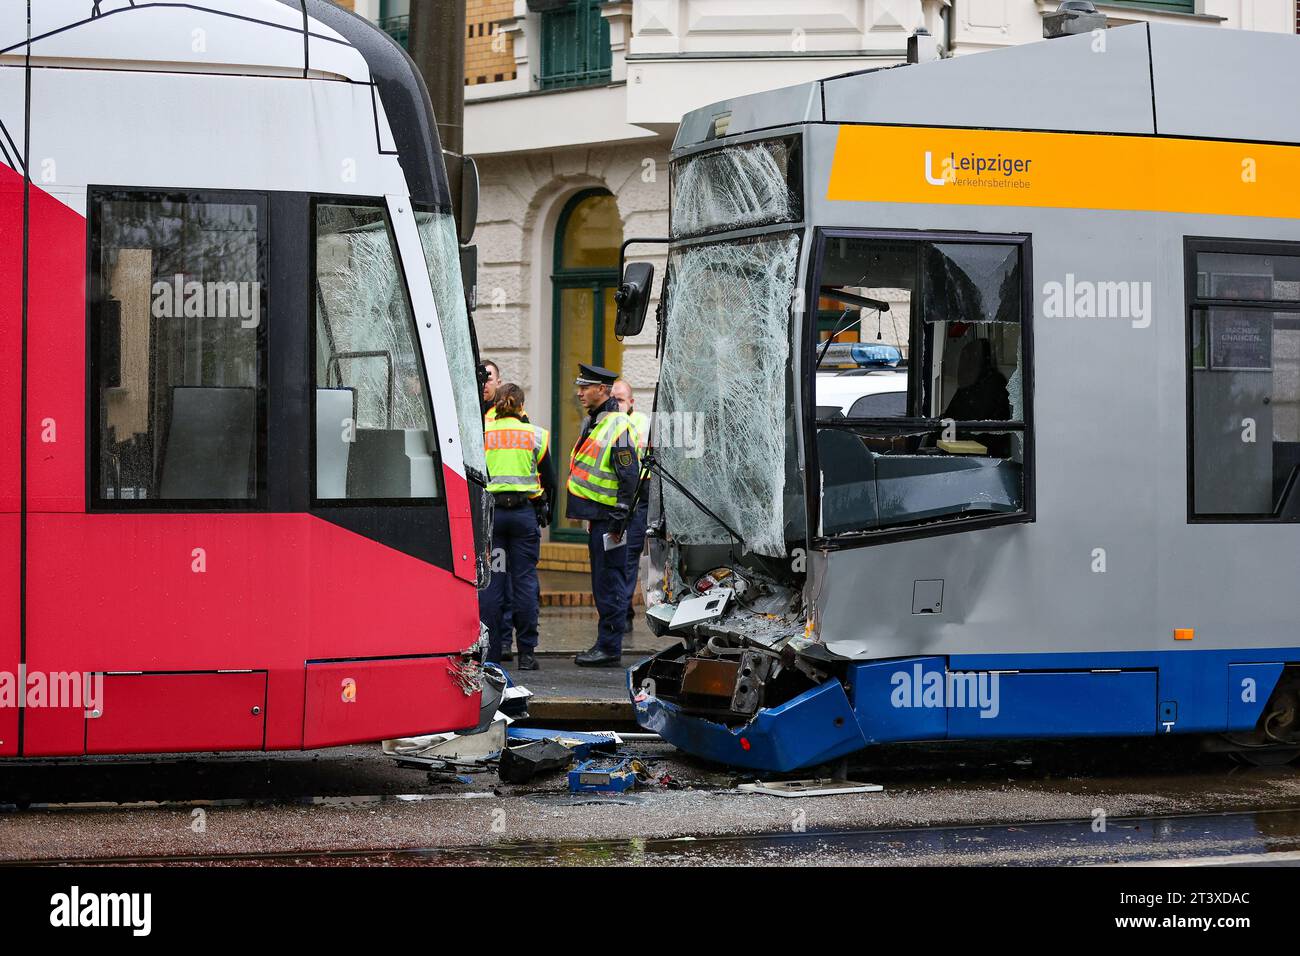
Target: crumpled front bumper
x,y
815,727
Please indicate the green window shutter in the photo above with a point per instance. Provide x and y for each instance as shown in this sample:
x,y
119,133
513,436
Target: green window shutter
x,y
575,46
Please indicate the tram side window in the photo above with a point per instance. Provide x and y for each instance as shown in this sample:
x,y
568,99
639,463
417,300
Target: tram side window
x,y
1245,380
178,350
374,438
921,382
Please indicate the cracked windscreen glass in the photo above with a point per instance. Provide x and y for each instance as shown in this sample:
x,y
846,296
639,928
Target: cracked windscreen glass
x,y
442,256
724,422
750,184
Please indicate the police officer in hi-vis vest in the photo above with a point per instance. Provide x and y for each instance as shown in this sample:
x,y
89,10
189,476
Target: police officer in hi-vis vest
x,y
521,481
603,472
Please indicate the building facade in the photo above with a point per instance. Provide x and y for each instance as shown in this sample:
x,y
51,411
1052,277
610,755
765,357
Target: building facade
x,y
571,106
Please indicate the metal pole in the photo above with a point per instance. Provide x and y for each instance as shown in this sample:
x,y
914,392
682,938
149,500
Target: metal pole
x,y
437,45
437,41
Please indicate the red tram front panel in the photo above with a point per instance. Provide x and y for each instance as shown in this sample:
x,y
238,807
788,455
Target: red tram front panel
x,y
11,366
173,600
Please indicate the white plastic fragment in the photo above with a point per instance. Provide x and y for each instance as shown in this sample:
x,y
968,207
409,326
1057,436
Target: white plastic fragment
x,y
823,787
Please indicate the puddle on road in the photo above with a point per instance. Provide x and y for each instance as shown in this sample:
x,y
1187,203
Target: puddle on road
x,y
269,802
1056,843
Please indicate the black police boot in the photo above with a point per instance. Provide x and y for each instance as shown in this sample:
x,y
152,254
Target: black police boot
x,y
595,657
507,655
527,662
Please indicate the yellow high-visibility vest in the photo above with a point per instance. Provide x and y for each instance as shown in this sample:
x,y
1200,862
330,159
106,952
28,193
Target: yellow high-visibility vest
x,y
641,423
514,450
591,470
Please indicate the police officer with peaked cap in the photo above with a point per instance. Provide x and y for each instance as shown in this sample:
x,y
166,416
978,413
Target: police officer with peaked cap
x,y
604,468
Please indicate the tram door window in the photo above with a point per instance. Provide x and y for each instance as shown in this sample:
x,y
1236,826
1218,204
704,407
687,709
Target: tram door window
x,y
939,432
178,350
374,438
1244,342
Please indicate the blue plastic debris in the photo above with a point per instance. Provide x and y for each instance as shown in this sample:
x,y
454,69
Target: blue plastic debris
x,y
580,743
590,778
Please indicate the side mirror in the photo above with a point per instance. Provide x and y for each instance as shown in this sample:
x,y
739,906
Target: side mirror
x,y
633,298
469,194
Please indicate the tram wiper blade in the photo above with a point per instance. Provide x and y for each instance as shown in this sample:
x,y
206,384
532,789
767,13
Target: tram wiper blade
x,y
650,463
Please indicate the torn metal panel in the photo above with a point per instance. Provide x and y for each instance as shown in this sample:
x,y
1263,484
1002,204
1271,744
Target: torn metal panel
x,y
811,728
582,744
522,763
723,388
450,748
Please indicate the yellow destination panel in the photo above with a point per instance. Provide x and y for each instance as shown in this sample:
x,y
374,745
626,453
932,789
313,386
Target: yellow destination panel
x,y
1064,170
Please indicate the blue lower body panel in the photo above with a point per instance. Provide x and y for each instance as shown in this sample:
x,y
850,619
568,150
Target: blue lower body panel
x,y
980,697
1070,704
807,730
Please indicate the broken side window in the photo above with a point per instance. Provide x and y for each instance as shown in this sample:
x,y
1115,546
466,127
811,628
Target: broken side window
x,y
920,382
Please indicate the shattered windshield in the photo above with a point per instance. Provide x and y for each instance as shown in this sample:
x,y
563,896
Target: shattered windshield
x,y
442,256
724,390
751,184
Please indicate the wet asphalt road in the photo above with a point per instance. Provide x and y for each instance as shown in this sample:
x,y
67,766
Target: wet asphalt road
x,y
1009,803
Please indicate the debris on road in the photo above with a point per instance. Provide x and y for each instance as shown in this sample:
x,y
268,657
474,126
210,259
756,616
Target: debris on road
x,y
582,744
522,763
588,777
821,787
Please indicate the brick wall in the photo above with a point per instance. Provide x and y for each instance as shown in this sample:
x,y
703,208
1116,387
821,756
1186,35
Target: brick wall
x,y
489,56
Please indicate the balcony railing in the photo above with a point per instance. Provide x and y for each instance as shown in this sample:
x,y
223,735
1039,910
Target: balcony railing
x,y
399,28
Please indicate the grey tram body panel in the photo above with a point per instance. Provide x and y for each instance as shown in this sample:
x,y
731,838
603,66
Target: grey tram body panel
x,y
1109,401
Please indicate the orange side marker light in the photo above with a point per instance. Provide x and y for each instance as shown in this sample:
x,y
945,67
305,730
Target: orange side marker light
x,y
1184,633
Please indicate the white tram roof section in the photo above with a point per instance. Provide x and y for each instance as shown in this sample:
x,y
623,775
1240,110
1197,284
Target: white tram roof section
x,y
212,81
250,37
1146,79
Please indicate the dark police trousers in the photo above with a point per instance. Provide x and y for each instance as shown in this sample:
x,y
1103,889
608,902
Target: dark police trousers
x,y
609,586
635,544
514,533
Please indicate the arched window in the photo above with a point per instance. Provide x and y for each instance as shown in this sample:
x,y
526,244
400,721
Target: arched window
x,y
585,275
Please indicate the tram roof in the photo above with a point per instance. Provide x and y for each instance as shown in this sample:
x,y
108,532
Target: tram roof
x,y
1149,79
288,39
